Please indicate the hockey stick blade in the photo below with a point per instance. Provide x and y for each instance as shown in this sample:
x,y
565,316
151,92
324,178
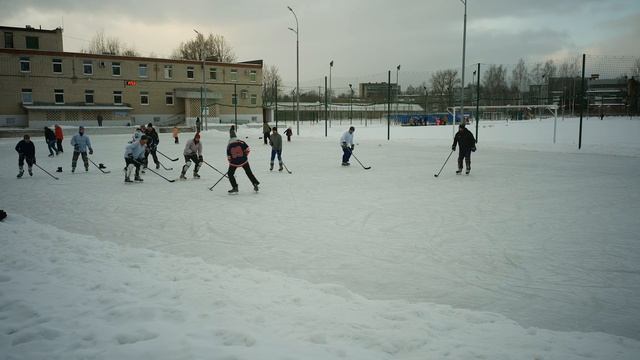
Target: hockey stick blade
x,y
99,168
159,152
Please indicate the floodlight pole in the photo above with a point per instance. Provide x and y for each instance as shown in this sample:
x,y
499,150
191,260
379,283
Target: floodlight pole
x,y
297,72
203,89
330,93
464,47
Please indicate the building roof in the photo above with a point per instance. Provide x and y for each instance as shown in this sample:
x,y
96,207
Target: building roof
x,y
29,28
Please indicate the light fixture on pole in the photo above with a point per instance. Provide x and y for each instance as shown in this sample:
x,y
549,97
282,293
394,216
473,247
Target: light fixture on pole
x,y
203,89
297,71
330,93
464,46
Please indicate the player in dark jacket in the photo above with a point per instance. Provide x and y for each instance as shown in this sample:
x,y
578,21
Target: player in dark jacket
x,y
467,143
50,138
152,146
26,151
238,156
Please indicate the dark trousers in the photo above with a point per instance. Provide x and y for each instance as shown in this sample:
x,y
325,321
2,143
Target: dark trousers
x,y
288,137
22,158
176,140
74,159
346,154
187,162
153,154
59,141
129,161
465,154
265,137
51,144
247,170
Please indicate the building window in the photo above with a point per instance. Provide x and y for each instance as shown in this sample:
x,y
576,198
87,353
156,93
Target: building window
x,y
87,67
115,69
33,42
243,94
168,71
190,74
168,98
234,75
117,98
253,75
144,98
143,71
57,66
8,40
58,96
88,97
25,64
213,74
254,99
27,96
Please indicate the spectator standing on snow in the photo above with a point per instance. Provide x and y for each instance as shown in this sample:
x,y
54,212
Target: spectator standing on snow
x,y
232,132
152,146
192,153
50,138
266,129
276,147
80,143
238,156
59,136
175,133
346,141
26,152
134,157
289,133
464,138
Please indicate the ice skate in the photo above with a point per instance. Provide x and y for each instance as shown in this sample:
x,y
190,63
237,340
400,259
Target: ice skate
x,y
233,191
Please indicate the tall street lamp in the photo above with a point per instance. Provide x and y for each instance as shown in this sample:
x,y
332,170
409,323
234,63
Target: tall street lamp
x,y
351,105
397,88
297,72
203,89
464,45
330,93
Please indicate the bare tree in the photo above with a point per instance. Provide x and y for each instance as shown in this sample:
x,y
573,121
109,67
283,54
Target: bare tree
x,y
443,83
270,75
520,77
211,47
494,81
103,44
635,72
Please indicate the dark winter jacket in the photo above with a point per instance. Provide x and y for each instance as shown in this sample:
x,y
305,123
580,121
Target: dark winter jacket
x,y
49,135
155,139
237,153
26,148
465,139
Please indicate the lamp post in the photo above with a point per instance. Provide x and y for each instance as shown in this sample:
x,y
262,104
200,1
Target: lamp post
x,y
351,105
464,47
297,72
426,94
203,89
330,93
397,87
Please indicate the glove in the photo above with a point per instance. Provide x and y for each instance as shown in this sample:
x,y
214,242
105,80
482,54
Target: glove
x,y
473,149
200,159
453,148
352,147
344,144
90,151
130,157
76,148
34,160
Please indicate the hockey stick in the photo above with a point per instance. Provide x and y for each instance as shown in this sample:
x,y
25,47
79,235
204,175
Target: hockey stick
x,y
164,167
214,168
48,173
214,185
159,152
169,180
364,167
445,163
286,168
96,165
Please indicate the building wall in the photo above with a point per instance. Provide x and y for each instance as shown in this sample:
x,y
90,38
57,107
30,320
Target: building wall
x,y
48,40
42,80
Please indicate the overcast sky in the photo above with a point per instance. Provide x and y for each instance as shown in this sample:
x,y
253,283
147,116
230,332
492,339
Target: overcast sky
x,y
365,38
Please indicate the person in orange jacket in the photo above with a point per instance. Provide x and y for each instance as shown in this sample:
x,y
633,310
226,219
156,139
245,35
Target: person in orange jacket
x,y
59,137
175,133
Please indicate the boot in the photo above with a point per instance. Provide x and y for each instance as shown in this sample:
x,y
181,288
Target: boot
x,y
233,190
73,169
255,187
127,179
20,173
30,172
195,175
138,178
468,171
182,177
280,169
51,155
271,166
459,171
157,166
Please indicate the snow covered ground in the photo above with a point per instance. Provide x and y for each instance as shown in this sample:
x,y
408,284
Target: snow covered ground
x,y
535,255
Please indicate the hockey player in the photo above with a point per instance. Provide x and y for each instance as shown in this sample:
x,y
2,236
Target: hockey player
x,y
346,141
26,151
192,152
134,157
276,147
59,137
175,132
80,143
50,138
289,133
152,146
467,143
266,129
238,156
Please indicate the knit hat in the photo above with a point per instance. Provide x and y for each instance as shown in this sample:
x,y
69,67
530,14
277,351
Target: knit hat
x,y
197,136
462,125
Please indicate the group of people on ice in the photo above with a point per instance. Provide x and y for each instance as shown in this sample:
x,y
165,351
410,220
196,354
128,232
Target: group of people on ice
x,y
145,142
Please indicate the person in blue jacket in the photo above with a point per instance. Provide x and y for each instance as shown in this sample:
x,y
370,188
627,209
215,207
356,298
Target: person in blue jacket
x,y
26,152
134,157
80,143
238,156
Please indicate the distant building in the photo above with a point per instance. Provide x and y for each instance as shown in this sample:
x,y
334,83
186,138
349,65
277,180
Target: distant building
x,y
43,85
378,91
